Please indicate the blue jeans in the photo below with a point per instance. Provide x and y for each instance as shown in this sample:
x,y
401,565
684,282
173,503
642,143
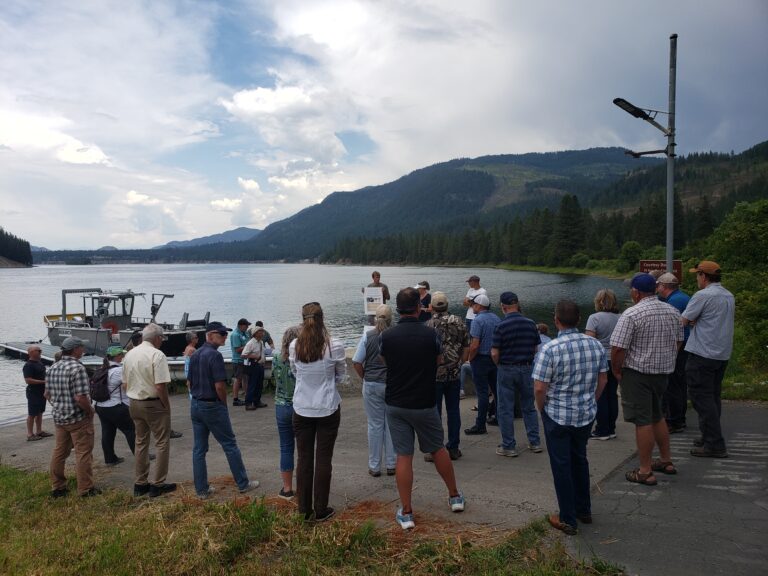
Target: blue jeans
x,y
284,417
379,436
213,418
450,390
509,379
483,373
466,369
567,448
255,384
608,407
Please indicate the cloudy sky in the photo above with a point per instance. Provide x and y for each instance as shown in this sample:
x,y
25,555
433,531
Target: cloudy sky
x,y
134,123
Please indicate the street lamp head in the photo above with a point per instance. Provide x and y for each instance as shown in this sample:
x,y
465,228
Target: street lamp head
x,y
630,108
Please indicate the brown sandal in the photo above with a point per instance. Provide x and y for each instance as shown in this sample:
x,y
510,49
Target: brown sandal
x,y
663,467
639,478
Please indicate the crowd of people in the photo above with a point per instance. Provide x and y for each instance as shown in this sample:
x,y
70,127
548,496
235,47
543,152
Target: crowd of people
x,y
663,349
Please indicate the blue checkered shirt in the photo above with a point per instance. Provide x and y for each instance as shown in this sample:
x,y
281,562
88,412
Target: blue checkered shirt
x,y
570,365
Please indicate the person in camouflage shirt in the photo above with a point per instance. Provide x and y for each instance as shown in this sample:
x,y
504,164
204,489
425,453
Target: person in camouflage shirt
x,y
455,341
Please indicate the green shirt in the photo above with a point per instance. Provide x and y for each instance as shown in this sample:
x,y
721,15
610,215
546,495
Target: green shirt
x,y
285,381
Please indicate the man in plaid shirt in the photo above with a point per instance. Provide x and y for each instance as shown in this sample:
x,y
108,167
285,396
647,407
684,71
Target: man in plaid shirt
x,y
68,391
644,347
569,375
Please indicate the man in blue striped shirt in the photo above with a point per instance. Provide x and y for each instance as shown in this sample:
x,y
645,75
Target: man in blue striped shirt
x,y
569,375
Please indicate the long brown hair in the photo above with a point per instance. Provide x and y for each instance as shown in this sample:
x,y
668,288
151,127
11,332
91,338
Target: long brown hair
x,y
313,337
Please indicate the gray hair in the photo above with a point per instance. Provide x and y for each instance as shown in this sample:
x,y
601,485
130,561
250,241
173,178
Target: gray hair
x,y
191,336
151,331
383,317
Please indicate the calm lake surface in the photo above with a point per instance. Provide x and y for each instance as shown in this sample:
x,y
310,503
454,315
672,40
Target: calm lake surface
x,y
273,293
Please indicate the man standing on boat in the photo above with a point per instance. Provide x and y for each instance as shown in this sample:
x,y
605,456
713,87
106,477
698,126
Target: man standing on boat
x,y
34,376
68,390
237,341
145,379
208,387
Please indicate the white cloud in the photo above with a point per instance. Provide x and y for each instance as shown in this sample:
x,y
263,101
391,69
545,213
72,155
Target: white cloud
x,y
226,204
248,184
133,198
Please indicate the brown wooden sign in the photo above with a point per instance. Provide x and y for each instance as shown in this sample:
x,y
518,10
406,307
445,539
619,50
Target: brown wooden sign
x,y
649,266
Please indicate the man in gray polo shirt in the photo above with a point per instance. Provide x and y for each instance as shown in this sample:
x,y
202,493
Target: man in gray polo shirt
x,y
710,315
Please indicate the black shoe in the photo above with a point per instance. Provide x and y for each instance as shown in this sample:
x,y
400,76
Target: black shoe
x,y
250,407
584,518
91,492
474,431
492,422
116,461
156,490
699,442
140,490
454,453
676,428
325,515
59,493
175,434
286,495
261,405
238,402
704,452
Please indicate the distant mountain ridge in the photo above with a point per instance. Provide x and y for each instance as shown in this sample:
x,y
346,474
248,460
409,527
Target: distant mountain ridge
x,y
237,235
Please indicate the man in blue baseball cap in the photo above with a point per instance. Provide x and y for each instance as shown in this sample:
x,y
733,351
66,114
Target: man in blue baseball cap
x,y
207,381
644,346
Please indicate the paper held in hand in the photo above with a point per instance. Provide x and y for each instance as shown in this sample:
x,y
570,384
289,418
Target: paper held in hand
x,y
372,297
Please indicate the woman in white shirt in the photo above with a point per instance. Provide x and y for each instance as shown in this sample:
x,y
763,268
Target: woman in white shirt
x,y
114,413
319,363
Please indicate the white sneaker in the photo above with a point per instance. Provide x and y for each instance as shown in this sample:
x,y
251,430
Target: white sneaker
x,y
252,485
207,494
405,520
457,503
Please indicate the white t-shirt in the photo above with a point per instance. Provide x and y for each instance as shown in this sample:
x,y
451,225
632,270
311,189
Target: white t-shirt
x,y
471,293
253,346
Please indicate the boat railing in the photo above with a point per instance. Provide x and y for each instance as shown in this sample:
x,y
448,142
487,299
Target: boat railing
x,y
68,321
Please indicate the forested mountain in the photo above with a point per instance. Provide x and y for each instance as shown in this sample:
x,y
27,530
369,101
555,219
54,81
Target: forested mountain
x,y
539,209
14,248
236,235
622,222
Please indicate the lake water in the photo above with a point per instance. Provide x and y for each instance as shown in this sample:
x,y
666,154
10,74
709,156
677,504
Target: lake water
x,y
273,293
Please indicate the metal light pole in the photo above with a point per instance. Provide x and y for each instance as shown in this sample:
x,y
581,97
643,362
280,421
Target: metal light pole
x,y
650,116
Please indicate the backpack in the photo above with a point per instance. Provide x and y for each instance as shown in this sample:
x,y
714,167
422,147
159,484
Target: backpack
x,y
100,391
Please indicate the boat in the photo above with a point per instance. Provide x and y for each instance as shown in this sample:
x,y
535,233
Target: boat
x,y
106,319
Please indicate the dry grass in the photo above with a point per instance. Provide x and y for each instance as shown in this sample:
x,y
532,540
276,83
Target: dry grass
x,y
178,535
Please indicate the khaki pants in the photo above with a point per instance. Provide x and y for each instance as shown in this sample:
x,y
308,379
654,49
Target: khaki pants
x,y
151,416
80,436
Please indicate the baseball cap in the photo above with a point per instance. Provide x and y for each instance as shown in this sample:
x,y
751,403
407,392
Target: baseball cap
x,y
113,351
217,327
439,301
482,299
667,278
643,282
706,266
72,342
473,278
508,298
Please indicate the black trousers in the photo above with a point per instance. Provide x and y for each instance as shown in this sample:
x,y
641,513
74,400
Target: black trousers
x,y
705,382
112,419
675,399
315,439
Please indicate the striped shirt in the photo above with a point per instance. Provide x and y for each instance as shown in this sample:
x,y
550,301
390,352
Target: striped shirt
x,y
516,337
649,331
570,365
482,328
66,379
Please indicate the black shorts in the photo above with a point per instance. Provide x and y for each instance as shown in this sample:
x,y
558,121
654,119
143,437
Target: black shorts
x,y
35,400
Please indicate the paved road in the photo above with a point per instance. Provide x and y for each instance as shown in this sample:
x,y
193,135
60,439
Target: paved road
x,y
711,518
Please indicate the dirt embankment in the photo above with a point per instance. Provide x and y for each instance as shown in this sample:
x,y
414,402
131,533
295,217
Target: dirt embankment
x,y
6,263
